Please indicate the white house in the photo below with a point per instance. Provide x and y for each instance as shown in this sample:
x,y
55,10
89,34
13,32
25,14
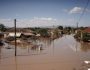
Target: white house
x,y
12,34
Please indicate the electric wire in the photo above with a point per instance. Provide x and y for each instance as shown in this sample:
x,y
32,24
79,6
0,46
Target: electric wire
x,y
84,10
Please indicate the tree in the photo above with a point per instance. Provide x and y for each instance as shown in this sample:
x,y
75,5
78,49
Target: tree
x,y
43,32
60,27
67,30
2,27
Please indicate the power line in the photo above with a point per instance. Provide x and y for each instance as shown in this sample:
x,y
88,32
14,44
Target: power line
x,y
83,12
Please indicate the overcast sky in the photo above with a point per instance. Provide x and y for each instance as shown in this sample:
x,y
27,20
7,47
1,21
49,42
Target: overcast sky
x,y
30,13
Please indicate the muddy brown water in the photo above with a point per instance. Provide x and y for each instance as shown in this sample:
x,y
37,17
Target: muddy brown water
x,y
64,53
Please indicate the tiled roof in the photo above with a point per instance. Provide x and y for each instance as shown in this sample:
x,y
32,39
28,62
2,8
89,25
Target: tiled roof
x,y
87,30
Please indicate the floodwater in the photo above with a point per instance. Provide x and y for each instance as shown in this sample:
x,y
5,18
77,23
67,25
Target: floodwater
x,y
64,53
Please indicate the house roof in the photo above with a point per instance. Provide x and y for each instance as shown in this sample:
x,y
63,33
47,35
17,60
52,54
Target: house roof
x,y
87,30
13,34
28,33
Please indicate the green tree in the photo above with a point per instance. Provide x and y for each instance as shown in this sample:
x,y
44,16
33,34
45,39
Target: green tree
x,y
67,30
2,27
60,27
43,32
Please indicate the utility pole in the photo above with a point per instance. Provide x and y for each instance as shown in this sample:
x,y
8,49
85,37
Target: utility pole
x,y
15,38
77,25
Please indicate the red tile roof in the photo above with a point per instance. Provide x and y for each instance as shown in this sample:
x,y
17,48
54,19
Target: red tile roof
x,y
87,30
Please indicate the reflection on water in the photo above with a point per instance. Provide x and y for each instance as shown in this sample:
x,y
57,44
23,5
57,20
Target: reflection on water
x,y
26,47
41,44
85,46
61,54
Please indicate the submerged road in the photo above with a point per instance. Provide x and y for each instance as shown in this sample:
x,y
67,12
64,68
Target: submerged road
x,y
64,53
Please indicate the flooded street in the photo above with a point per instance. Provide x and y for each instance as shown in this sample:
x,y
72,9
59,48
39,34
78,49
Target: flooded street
x,y
64,53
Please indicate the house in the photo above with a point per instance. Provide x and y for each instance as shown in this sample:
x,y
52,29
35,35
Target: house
x,y
6,34
12,34
28,34
87,30
86,34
